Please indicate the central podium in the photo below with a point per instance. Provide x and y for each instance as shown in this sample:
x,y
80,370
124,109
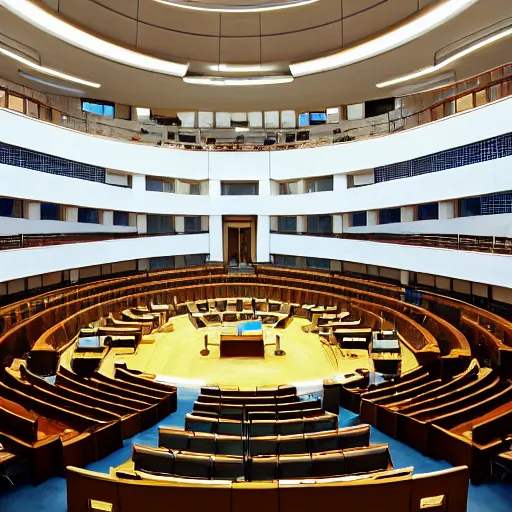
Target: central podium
x,y
242,340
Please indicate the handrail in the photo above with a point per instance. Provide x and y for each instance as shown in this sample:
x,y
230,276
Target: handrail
x,y
441,103
490,244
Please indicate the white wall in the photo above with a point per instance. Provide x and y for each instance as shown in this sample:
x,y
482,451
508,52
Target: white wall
x,y
469,266
19,263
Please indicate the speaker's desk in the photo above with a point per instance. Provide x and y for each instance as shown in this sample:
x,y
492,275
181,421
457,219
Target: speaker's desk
x,y
245,345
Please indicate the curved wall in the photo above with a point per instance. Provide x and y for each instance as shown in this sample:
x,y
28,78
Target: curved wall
x,y
266,167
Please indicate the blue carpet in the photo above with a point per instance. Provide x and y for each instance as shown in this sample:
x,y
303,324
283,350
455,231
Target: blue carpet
x,y
51,495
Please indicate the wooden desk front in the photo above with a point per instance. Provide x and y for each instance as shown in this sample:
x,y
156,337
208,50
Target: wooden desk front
x,y
249,345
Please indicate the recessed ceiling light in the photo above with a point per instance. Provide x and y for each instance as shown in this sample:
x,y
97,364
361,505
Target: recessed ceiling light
x,y
201,6
456,56
415,28
220,82
47,71
242,68
64,31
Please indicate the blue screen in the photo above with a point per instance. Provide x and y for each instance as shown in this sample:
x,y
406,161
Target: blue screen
x,y
304,119
318,117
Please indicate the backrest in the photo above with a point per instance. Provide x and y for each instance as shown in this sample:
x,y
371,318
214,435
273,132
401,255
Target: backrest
x,y
354,437
193,465
497,427
262,467
228,467
202,442
448,487
293,444
153,460
289,427
260,428
200,424
18,422
322,441
365,460
173,439
230,427
229,445
328,464
265,445
294,466
321,423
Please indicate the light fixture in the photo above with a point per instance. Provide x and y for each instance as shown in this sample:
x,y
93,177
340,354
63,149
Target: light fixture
x,y
456,56
41,81
241,68
47,71
240,129
202,6
221,82
64,31
415,28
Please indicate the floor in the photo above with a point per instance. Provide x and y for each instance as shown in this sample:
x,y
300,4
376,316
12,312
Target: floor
x,y
51,495
177,355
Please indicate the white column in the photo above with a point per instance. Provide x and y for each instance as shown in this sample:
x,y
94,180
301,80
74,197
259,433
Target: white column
x,y
203,188
274,188
339,182
302,224
302,187
406,213
264,188
263,239
337,223
446,210
142,224
132,220
138,183
107,219
33,211
214,188
404,277
274,223
143,264
372,218
179,224
74,275
216,238
346,222
71,214
205,221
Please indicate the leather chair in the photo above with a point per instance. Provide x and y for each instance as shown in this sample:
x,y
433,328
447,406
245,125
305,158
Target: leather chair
x,y
328,464
290,427
293,444
229,427
322,441
173,439
210,391
365,460
262,467
261,415
153,460
202,442
294,466
228,468
229,445
231,411
354,437
321,423
193,465
262,428
200,424
265,445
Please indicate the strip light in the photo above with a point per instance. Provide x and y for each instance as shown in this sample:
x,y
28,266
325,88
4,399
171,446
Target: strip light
x,y
62,30
47,71
241,68
220,82
51,84
449,60
393,39
198,6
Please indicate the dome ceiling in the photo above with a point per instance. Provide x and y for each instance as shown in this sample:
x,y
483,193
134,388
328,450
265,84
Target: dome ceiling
x,y
279,35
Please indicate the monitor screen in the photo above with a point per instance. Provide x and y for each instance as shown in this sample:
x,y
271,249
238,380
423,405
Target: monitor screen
x,y
304,119
318,117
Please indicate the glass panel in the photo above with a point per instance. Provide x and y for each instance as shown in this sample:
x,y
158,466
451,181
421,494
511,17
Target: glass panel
x,y
285,261
465,103
480,97
389,216
195,189
162,262
318,263
3,98
121,219
428,211
449,108
495,92
320,224
288,188
287,224
320,185
358,219
470,206
437,113
32,109
88,215
156,185
158,224
192,224
239,189
16,103
50,211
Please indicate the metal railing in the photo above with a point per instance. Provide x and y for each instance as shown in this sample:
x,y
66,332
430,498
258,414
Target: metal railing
x,y
490,244
27,241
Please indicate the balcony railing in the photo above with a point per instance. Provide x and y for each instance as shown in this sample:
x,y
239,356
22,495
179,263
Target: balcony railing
x,y
412,111
489,244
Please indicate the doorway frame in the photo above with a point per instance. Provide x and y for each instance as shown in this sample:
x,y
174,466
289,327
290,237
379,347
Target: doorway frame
x,y
239,221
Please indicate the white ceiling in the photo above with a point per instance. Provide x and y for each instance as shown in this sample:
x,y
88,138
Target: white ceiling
x,y
286,35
